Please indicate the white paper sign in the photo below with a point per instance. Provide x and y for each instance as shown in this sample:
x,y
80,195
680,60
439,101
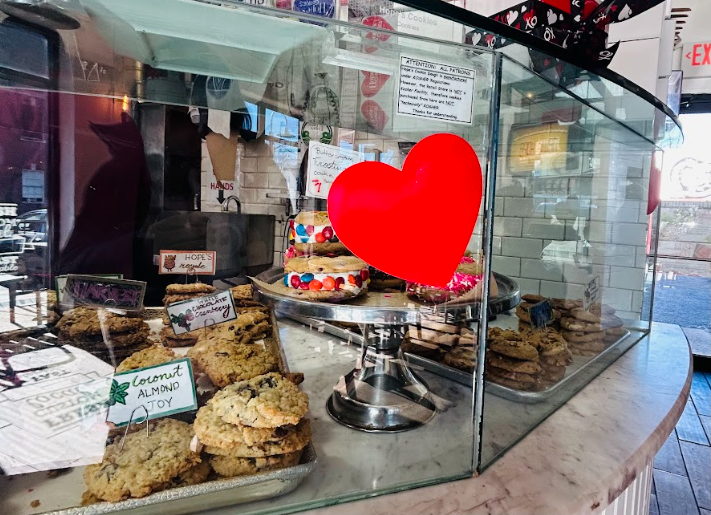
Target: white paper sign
x,y
591,293
201,312
325,163
199,262
162,390
438,91
52,408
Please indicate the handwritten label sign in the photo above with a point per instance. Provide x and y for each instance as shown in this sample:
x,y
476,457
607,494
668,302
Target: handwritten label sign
x,y
541,314
200,262
163,390
591,293
11,244
326,162
61,281
90,290
437,91
193,314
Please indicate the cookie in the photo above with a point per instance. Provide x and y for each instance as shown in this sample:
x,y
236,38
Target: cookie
x,y
320,265
242,292
427,350
463,358
581,337
216,433
170,339
613,334
512,365
592,346
516,385
559,360
310,249
313,218
193,476
513,376
514,349
294,441
429,335
189,289
81,322
612,322
586,316
497,333
264,401
145,463
153,355
548,342
573,324
551,375
114,340
530,298
173,298
226,363
231,466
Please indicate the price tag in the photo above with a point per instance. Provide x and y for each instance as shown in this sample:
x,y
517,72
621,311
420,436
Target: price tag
x,y
592,293
201,312
91,290
198,262
541,314
325,163
163,390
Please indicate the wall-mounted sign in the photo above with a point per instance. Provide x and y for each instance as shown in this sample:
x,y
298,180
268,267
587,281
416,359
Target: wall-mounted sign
x,y
201,312
543,147
91,290
162,390
696,59
326,162
435,91
199,262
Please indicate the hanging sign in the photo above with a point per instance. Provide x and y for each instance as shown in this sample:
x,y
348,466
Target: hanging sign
x,y
61,281
163,390
696,59
91,290
591,294
541,314
201,312
438,91
326,162
198,262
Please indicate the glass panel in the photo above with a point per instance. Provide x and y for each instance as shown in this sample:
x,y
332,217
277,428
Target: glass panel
x,y
571,228
179,130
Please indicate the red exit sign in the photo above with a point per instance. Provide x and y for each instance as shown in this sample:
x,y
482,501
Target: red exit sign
x,y
697,59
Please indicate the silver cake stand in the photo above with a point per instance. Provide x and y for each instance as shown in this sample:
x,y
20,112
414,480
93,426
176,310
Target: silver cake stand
x,y
381,394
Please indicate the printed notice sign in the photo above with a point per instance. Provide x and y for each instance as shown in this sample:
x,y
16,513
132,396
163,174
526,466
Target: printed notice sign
x,y
162,390
200,262
325,163
591,293
193,314
437,91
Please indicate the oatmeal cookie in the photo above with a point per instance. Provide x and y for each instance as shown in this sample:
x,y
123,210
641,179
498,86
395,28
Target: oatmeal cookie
x,y
82,322
170,339
216,433
242,292
226,363
513,365
189,289
264,401
514,349
231,466
463,358
154,355
144,464
573,324
294,441
173,298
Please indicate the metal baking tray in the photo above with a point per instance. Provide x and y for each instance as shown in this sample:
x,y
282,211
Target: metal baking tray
x,y
465,378
379,307
20,490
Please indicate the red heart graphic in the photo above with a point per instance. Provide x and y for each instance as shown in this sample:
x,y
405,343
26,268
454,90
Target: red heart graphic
x,y
372,83
374,115
379,23
383,214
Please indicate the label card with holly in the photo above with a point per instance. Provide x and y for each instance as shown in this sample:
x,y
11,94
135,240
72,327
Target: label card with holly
x,y
198,262
591,294
325,163
162,390
191,315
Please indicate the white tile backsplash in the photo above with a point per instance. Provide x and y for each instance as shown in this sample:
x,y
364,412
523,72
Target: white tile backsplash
x,y
521,247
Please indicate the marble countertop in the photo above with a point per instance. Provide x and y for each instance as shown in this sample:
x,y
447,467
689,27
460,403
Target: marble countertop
x,y
577,461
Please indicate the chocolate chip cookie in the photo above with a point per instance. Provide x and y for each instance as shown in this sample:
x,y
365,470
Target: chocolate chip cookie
x,y
216,433
225,362
295,440
232,466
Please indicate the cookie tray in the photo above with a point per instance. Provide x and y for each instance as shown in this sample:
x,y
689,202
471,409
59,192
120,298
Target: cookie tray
x,y
580,363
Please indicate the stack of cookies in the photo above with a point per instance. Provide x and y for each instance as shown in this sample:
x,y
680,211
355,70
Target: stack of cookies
x,y
254,426
234,351
178,293
154,355
524,315
163,459
528,360
588,333
105,334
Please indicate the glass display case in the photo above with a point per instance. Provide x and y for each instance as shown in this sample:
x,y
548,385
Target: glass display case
x,y
292,255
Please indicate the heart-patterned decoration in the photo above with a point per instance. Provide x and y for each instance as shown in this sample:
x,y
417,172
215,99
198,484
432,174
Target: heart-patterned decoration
x,y
384,215
373,83
374,115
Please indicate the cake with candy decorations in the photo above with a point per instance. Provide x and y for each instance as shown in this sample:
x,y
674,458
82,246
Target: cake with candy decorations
x,y
466,284
326,278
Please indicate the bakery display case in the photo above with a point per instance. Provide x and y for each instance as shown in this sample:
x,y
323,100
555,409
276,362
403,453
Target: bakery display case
x,y
296,255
